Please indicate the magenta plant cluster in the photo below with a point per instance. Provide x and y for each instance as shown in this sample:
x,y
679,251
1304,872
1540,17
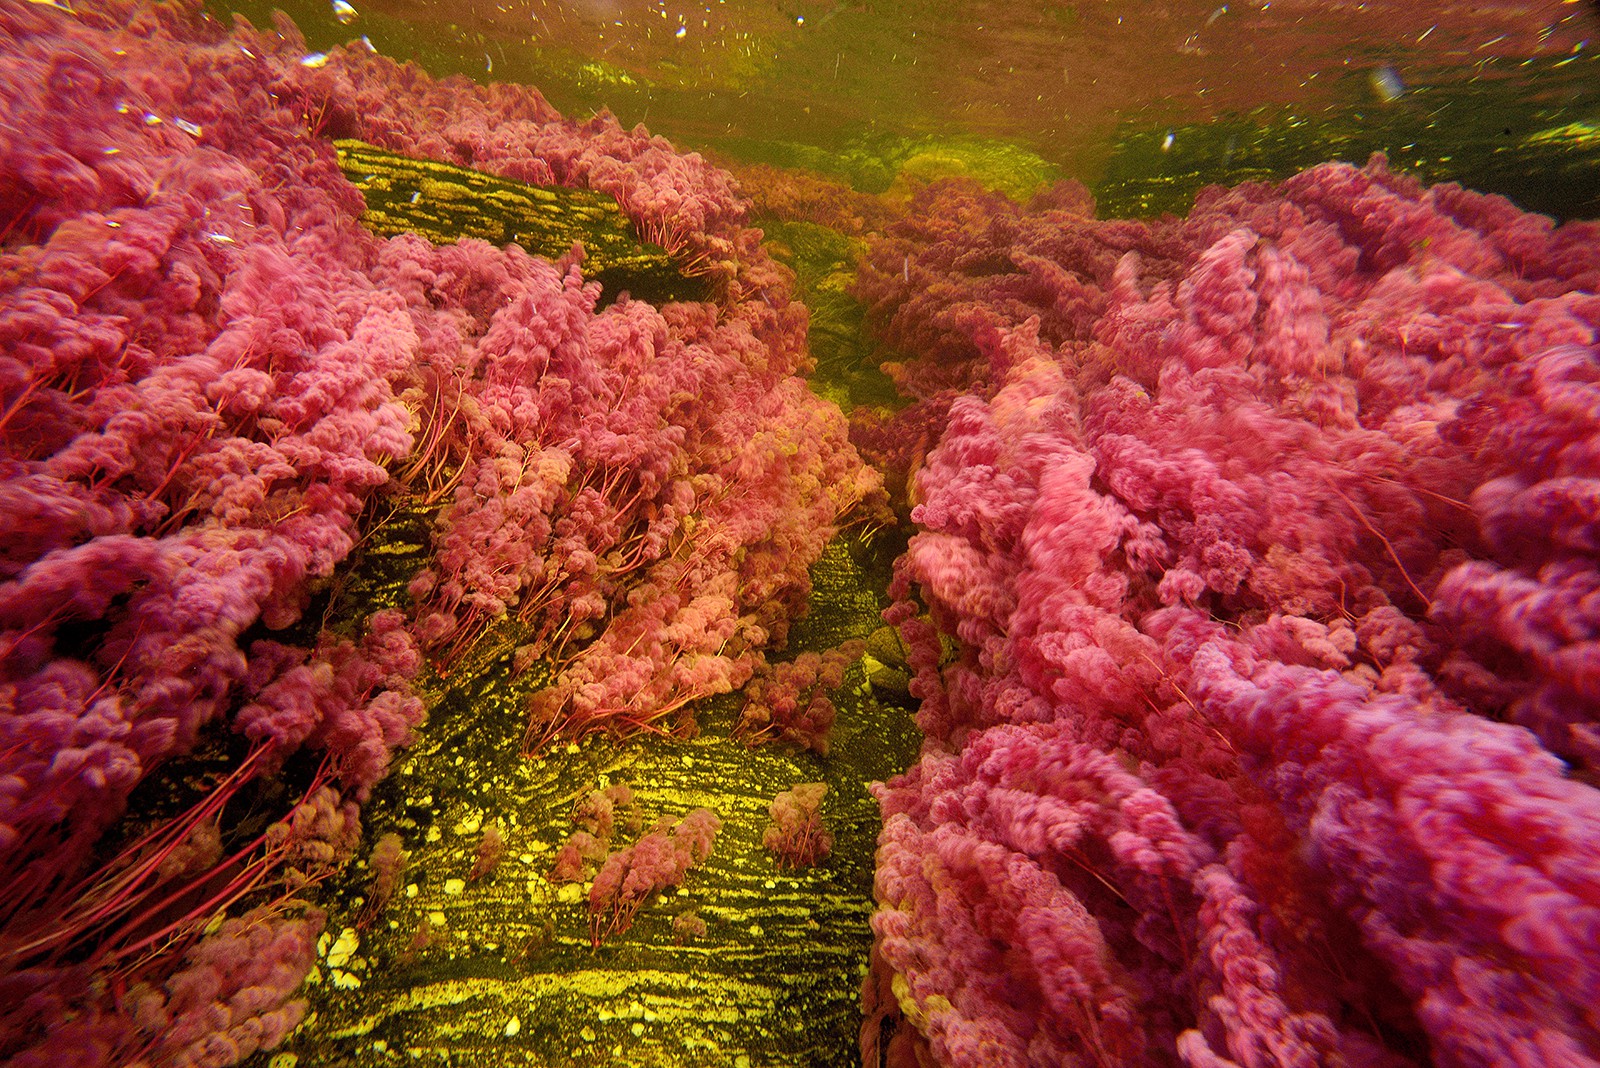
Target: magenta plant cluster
x,y
1267,538
214,382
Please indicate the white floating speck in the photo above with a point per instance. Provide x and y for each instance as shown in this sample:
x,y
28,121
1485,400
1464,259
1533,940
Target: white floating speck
x,y
513,1025
637,1029
344,12
454,886
411,889
344,980
315,60
436,918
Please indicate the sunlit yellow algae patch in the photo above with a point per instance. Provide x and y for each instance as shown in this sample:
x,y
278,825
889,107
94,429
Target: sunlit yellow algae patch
x,y
1572,135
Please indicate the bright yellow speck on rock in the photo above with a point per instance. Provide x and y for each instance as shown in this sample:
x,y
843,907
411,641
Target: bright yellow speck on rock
x,y
344,948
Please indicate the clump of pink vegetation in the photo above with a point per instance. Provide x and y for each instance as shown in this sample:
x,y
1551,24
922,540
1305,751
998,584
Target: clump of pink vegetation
x,y
789,701
633,874
797,836
388,866
1263,537
688,927
600,813
212,376
491,848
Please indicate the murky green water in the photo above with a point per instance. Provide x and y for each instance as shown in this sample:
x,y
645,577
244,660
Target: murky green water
x,y
1143,101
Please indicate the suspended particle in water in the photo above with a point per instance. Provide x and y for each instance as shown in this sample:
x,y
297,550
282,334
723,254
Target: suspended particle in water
x,y
1386,83
344,11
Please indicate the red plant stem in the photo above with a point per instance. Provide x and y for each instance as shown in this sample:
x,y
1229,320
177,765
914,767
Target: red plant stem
x,y
1359,514
188,450
116,888
17,405
250,877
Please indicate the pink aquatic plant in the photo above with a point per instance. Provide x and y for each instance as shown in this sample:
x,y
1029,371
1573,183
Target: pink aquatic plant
x,y
633,874
1262,535
790,701
213,377
600,814
388,866
491,848
640,490
688,927
196,405
797,836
